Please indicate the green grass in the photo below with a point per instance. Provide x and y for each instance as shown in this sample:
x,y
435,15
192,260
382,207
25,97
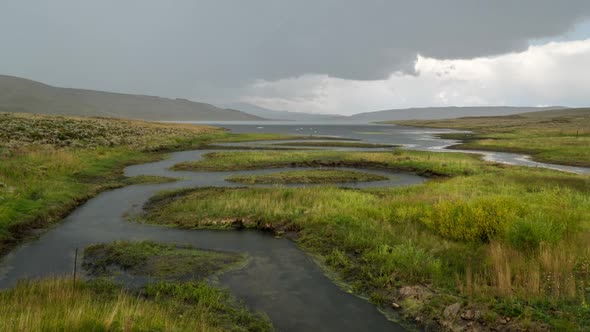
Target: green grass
x,y
337,144
560,137
308,176
421,162
160,260
148,179
59,305
507,241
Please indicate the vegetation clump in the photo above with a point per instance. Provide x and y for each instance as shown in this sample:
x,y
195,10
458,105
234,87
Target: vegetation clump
x,y
154,259
59,131
308,177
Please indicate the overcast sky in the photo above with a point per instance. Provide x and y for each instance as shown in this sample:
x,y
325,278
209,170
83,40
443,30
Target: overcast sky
x,y
330,56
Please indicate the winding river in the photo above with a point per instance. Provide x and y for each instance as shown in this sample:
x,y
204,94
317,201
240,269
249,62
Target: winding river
x,y
280,279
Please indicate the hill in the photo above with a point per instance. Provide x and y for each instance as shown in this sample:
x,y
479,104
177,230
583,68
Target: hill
x,y
433,113
27,96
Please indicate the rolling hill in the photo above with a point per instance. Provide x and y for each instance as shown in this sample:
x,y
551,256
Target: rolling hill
x,y
27,96
285,115
435,113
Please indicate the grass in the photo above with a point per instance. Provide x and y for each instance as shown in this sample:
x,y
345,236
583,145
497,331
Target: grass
x,y
501,240
156,260
60,305
337,144
417,161
148,179
308,176
560,137
50,164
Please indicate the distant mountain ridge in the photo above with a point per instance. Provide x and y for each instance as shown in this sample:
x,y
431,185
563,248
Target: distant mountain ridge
x,y
426,113
27,96
436,113
284,115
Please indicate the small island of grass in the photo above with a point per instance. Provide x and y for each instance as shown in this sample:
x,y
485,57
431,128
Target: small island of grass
x,y
308,177
167,261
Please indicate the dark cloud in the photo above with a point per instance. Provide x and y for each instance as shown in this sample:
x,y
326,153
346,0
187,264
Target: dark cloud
x,y
210,48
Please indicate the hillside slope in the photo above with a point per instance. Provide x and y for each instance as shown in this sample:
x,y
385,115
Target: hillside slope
x,y
26,96
434,113
285,115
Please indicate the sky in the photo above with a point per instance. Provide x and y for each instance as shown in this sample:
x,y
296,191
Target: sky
x,y
320,56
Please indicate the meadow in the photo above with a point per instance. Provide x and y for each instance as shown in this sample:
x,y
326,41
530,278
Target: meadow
x,y
560,137
487,244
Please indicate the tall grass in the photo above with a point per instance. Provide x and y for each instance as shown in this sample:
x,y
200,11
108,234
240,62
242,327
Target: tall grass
x,y
58,305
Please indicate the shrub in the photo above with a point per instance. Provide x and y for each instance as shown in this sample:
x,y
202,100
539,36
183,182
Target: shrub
x,y
528,233
406,261
476,219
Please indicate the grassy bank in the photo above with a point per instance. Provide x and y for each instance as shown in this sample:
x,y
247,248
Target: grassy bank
x,y
308,176
495,247
418,161
59,305
159,260
560,137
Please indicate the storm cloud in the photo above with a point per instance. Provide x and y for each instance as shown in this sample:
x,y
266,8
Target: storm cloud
x,y
211,49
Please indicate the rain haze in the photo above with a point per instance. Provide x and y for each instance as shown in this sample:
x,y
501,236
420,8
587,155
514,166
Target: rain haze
x,y
337,57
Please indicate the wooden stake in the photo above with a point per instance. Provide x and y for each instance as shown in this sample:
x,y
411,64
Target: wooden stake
x,y
75,265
